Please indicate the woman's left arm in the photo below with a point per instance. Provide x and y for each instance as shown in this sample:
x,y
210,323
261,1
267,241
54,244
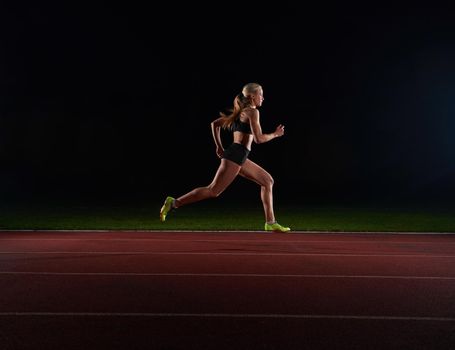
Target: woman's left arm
x,y
259,136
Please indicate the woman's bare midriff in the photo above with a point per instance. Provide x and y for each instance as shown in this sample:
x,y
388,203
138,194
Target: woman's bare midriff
x,y
244,139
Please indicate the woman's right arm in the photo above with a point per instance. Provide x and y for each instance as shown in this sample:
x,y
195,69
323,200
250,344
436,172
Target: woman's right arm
x,y
216,126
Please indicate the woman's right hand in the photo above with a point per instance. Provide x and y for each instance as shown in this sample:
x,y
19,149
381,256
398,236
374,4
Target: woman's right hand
x,y
219,151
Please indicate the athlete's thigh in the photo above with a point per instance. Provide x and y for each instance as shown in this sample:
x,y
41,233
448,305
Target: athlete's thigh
x,y
251,171
226,173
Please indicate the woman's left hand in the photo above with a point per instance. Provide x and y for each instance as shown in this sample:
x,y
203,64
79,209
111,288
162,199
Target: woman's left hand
x,y
279,131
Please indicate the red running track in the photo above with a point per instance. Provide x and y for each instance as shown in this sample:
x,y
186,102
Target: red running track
x,y
226,290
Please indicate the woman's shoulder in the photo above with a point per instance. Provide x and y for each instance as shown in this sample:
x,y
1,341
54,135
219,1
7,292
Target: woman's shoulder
x,y
250,112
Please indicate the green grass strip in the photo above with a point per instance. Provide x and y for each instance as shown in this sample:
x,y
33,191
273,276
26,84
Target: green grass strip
x,y
216,217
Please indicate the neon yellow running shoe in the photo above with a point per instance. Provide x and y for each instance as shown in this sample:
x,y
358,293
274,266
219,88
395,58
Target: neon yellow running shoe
x,y
166,208
276,227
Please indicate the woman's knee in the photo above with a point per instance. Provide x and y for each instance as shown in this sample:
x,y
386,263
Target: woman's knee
x,y
213,192
268,181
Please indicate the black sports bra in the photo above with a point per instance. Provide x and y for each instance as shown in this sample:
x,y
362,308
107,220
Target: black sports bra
x,y
241,126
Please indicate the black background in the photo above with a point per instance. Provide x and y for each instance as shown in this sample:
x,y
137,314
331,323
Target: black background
x,y
115,100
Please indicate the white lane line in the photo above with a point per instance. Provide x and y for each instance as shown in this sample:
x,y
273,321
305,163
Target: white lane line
x,y
214,315
236,232
231,253
133,274
179,239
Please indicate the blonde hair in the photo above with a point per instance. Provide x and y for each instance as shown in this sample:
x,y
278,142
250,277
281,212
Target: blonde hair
x,y
241,101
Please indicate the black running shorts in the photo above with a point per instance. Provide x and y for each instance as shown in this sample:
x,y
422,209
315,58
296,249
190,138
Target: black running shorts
x,y
237,153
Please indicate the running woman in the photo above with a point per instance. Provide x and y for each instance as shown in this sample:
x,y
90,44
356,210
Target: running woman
x,y
244,122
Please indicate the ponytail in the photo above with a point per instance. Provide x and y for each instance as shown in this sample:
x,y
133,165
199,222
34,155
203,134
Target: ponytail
x,y
240,102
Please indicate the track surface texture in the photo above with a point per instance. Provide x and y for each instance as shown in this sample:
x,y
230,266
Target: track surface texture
x,y
226,290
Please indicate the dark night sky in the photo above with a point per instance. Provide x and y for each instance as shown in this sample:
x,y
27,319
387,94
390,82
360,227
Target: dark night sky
x,y
89,95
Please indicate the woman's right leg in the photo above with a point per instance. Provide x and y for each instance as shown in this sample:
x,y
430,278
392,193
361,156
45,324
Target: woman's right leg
x,y
251,171
254,172
226,173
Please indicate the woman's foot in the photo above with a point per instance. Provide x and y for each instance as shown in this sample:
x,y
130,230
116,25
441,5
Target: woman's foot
x,y
276,227
166,208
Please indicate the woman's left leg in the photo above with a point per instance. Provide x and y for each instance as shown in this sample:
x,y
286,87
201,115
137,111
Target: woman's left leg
x,y
226,173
